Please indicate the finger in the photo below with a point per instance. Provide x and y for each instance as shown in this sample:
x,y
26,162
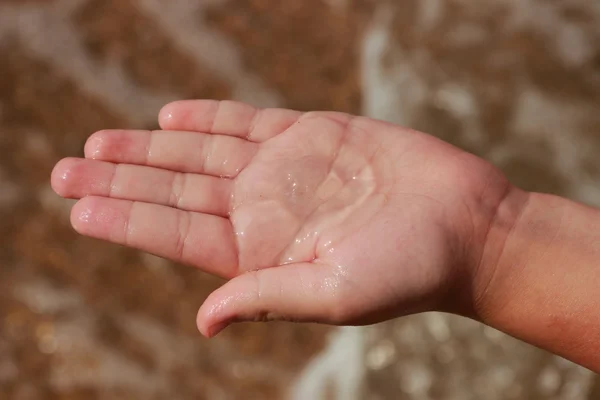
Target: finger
x,y
202,240
177,151
76,178
227,118
296,292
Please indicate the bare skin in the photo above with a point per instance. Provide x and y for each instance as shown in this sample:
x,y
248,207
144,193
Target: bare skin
x,y
318,217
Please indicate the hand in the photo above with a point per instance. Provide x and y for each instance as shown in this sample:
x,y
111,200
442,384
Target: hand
x,y
316,216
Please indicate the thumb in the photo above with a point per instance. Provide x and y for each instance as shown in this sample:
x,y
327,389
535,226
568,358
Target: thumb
x,y
306,292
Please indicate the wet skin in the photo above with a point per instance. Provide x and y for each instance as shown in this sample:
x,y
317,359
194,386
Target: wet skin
x,y
312,216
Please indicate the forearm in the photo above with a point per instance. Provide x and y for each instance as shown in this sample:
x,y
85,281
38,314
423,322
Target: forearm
x,y
540,275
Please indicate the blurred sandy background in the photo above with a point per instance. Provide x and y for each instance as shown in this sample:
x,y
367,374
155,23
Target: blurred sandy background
x,y
515,81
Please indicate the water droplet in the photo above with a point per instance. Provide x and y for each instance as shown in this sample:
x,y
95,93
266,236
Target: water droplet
x,y
85,216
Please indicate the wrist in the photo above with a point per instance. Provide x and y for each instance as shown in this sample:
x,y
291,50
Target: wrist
x,y
538,278
496,215
495,261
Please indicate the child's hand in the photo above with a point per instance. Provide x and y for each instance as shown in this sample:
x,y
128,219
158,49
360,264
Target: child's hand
x,y
314,217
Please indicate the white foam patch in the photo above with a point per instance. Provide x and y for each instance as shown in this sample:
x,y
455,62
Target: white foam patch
x,y
155,336
182,21
568,41
561,124
392,91
573,45
111,370
47,32
340,366
46,299
430,13
172,350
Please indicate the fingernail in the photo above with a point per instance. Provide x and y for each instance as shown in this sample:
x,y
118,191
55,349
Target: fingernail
x,y
165,115
93,147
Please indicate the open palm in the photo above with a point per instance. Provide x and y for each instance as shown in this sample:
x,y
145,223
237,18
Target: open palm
x,y
313,216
